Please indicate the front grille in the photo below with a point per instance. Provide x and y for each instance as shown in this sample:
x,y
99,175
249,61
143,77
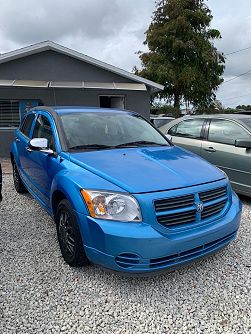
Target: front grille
x,y
174,203
178,218
213,209
181,211
191,254
213,194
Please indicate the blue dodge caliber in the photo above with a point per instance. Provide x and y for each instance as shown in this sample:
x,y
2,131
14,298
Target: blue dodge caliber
x,y
121,194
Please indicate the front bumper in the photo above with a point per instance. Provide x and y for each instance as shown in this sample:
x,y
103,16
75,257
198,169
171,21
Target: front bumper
x,y
140,248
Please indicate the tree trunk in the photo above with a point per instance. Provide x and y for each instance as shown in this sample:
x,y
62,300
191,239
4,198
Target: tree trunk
x,y
177,103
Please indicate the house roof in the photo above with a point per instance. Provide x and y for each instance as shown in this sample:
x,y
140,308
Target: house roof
x,y
49,45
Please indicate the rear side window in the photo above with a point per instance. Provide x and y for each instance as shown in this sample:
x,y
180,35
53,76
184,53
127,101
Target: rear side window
x,y
26,125
226,132
191,128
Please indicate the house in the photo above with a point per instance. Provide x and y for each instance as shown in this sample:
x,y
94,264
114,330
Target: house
x,y
50,74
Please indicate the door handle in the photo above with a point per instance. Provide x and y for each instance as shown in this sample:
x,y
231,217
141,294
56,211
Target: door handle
x,y
210,149
17,140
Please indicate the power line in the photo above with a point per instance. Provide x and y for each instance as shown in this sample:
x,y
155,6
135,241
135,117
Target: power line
x,y
231,53
237,76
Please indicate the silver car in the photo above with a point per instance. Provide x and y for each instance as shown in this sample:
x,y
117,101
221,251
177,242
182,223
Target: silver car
x,y
159,121
224,140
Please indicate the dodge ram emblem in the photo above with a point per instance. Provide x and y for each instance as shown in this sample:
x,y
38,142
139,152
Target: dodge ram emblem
x,y
199,207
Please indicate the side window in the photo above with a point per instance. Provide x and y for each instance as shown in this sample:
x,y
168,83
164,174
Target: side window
x,y
226,132
43,129
26,125
189,128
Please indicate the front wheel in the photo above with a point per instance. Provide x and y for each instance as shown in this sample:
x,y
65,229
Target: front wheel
x,y
18,183
69,236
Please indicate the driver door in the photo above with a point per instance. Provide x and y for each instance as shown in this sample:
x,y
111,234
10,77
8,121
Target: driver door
x,y
42,166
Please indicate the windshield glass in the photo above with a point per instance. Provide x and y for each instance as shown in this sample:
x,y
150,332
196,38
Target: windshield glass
x,y
247,121
106,129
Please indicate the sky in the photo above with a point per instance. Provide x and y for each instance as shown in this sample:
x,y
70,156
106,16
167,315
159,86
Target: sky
x,y
113,31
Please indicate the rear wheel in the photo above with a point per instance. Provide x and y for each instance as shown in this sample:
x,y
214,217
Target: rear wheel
x,y
18,183
69,236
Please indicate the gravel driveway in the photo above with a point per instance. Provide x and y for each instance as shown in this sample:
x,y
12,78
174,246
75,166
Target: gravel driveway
x,y
39,293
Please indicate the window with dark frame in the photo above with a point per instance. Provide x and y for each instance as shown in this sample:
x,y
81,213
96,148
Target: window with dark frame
x,y
189,128
226,132
112,101
43,129
26,125
9,114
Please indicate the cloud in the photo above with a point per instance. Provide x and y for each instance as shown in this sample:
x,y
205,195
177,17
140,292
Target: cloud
x,y
233,20
111,31
33,20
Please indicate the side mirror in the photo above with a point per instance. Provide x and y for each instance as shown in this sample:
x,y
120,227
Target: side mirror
x,y
243,143
40,144
169,137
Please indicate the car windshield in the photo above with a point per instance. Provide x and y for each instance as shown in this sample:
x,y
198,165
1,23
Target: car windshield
x,y
103,130
247,121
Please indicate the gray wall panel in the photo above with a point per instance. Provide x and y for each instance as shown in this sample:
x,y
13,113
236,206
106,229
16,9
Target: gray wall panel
x,y
53,66
138,101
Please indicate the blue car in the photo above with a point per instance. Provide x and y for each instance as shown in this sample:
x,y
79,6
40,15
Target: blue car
x,y
122,196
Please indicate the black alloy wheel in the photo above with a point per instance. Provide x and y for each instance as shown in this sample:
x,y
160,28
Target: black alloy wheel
x,y
69,236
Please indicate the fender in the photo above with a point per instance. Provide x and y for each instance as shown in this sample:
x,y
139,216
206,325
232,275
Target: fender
x,y
70,184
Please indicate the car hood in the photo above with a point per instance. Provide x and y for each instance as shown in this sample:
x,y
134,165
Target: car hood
x,y
139,170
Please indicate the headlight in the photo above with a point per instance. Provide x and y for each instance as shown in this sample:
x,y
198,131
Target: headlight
x,y
111,206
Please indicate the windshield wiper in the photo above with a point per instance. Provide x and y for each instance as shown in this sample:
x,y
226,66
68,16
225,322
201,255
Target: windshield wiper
x,y
103,147
90,146
140,143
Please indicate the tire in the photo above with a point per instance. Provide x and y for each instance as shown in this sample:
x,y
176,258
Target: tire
x,y
69,236
18,183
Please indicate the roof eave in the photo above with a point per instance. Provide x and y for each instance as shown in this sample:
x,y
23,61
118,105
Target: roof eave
x,y
48,45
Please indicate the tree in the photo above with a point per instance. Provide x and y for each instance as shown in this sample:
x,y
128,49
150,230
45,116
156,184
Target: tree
x,y
182,56
244,107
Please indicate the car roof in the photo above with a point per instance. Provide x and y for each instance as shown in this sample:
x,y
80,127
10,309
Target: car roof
x,y
55,111
235,117
68,109
162,117
229,116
